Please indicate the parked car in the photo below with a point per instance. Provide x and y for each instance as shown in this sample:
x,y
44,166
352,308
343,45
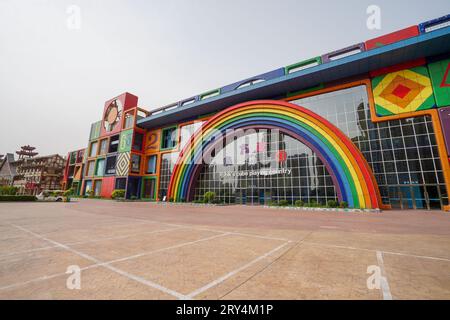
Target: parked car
x,y
50,195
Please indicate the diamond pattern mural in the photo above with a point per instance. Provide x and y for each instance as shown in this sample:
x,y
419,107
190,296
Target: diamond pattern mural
x,y
123,164
403,91
440,77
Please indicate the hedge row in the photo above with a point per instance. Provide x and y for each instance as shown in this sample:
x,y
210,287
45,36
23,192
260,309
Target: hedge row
x,y
18,198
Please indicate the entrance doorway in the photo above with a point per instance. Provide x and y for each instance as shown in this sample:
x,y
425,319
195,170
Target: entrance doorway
x,y
415,197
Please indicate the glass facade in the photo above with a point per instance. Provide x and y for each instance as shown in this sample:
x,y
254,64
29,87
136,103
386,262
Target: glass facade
x,y
403,155
168,161
244,171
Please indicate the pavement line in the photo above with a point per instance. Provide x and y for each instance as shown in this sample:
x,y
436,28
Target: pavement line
x,y
167,248
373,250
297,243
232,273
96,265
384,282
123,237
89,241
192,227
117,270
27,251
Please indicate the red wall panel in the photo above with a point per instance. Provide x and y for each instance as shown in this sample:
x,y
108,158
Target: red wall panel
x,y
107,187
392,37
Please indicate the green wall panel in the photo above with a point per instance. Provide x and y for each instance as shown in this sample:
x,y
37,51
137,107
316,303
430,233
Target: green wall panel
x,y
126,137
440,77
95,130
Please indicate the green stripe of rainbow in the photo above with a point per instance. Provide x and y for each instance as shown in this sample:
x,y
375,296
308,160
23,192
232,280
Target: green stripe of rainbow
x,y
352,176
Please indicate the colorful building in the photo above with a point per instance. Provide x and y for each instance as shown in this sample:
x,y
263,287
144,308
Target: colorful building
x,y
367,124
36,174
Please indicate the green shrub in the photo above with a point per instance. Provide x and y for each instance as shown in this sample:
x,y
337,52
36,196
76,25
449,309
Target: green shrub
x,y
283,203
273,203
332,204
343,204
217,201
299,203
8,191
17,198
312,204
56,193
209,196
133,198
118,194
69,192
197,201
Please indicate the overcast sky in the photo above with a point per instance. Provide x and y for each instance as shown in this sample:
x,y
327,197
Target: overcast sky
x,y
54,79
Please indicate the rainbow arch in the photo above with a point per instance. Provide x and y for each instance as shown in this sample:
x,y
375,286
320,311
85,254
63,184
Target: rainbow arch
x,y
351,174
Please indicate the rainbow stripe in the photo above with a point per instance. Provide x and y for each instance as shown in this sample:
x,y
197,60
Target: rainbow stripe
x,y
351,174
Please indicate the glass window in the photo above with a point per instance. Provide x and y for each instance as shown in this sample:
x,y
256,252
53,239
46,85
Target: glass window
x,y
103,146
169,138
129,120
148,189
151,164
90,168
93,149
168,161
121,183
100,169
114,144
97,187
87,187
137,141
135,163
111,165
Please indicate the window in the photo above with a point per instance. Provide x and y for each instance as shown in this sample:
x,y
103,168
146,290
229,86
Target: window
x,y
137,141
135,163
103,146
113,144
129,120
168,161
93,149
149,188
87,187
111,165
73,156
151,165
90,168
169,138
80,156
97,187
121,183
100,169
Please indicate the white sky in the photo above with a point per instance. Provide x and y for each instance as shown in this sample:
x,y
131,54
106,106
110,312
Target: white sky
x,y
54,80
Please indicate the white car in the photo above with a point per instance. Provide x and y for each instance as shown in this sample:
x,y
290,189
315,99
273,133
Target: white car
x,y
49,195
